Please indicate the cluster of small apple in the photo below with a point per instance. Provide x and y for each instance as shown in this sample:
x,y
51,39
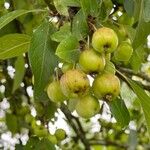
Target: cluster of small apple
x,y
41,131
94,61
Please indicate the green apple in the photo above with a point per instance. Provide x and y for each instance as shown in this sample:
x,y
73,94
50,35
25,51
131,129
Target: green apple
x,y
105,40
52,138
87,106
91,62
66,67
106,86
40,131
54,92
74,83
123,52
60,134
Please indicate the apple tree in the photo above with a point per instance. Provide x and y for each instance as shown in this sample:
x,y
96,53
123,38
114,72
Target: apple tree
x,y
74,74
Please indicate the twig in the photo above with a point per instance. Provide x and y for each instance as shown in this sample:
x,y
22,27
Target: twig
x,y
146,87
130,72
79,130
108,143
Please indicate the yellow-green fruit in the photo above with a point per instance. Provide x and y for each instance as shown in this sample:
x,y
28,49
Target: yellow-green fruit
x,y
60,134
110,68
52,138
54,92
66,67
126,19
123,52
74,83
87,106
105,40
106,86
40,132
91,62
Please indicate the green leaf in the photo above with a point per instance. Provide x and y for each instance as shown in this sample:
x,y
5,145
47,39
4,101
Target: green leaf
x,y
73,3
31,144
146,10
120,112
85,5
89,7
42,58
138,57
135,61
35,144
105,9
94,8
19,147
8,29
61,7
68,49
4,20
79,26
144,101
45,144
11,122
127,94
129,7
131,32
63,33
19,73
141,34
137,8
142,30
50,109
13,45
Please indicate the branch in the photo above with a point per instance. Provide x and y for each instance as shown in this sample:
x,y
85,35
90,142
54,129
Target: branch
x,y
130,72
79,130
145,87
108,143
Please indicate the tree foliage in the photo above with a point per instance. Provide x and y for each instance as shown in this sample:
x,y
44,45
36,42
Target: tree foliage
x,y
40,40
